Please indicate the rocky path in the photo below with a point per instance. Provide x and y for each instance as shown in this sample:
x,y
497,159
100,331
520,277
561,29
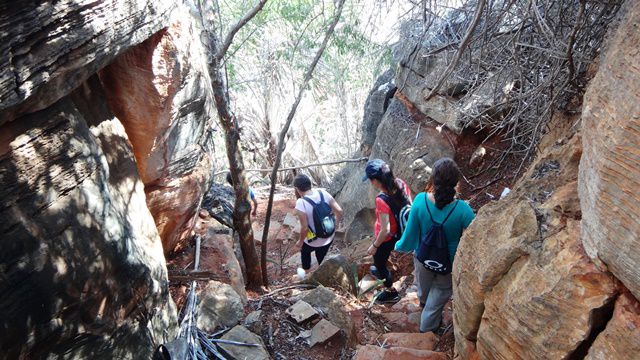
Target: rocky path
x,y
329,315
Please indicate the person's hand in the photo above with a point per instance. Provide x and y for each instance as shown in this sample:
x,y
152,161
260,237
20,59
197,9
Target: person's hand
x,y
298,246
372,250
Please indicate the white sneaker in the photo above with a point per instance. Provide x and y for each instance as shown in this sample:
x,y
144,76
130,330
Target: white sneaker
x,y
301,273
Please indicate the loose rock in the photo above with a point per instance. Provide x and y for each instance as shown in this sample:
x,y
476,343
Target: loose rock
x,y
221,306
323,332
301,311
243,335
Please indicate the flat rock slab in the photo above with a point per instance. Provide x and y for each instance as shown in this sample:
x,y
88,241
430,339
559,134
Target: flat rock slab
x,y
323,332
301,311
239,352
418,341
372,352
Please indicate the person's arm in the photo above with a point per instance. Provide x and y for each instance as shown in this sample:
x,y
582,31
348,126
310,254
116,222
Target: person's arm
x,y
411,235
255,206
385,229
302,218
337,210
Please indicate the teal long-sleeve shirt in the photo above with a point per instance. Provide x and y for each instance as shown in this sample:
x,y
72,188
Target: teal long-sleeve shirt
x,y
419,223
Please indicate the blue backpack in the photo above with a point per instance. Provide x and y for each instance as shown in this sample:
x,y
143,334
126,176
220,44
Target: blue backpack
x,y
433,251
324,221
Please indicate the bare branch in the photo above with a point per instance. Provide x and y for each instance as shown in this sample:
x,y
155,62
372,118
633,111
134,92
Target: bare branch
x,y
285,129
461,48
234,30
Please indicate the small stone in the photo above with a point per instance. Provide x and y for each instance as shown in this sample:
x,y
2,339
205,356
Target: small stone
x,y
243,335
301,311
323,332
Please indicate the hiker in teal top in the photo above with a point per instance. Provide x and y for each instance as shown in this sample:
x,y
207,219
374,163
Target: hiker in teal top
x,y
435,289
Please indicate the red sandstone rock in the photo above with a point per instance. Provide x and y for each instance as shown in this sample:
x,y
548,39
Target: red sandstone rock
x,y
371,352
418,341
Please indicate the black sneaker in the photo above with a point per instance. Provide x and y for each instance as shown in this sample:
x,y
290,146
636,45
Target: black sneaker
x,y
388,297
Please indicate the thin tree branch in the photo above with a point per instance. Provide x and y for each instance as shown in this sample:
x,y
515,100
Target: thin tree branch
x,y
283,134
234,30
335,162
463,45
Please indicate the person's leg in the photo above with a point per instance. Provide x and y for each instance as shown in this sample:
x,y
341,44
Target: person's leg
x,y
423,280
439,293
380,261
321,252
305,256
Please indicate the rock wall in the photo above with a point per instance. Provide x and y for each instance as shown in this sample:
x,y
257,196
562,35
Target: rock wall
x,y
410,149
550,271
161,91
610,166
104,153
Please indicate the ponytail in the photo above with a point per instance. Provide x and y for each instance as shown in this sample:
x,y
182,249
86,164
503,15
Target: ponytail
x,y
444,180
391,185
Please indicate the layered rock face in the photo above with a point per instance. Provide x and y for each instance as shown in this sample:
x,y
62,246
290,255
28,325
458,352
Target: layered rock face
x,y
531,277
82,175
610,166
391,133
161,92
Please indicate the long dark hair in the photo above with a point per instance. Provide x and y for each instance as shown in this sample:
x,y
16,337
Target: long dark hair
x,y
444,179
390,184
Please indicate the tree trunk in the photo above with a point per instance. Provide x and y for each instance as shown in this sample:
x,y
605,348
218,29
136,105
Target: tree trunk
x,y
242,207
283,133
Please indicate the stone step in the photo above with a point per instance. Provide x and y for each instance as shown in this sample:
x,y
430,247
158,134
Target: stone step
x,y
372,352
418,341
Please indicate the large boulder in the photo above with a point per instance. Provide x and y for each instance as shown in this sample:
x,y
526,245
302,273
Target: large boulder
x,y
523,285
610,169
161,92
50,48
83,268
84,274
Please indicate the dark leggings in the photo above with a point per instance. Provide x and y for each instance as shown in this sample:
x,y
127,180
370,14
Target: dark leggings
x,y
305,254
380,261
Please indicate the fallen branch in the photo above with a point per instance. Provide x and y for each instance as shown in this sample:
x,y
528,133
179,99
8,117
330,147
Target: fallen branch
x,y
182,275
335,162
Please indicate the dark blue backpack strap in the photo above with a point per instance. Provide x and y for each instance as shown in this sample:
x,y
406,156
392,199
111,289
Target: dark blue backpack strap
x,y
310,201
451,212
426,204
321,196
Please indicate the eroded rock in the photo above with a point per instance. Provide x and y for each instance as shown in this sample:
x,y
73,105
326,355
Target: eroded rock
x,y
621,337
220,306
610,169
322,332
371,352
161,91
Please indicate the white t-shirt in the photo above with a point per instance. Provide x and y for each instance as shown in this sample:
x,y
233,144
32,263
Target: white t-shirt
x,y
306,208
